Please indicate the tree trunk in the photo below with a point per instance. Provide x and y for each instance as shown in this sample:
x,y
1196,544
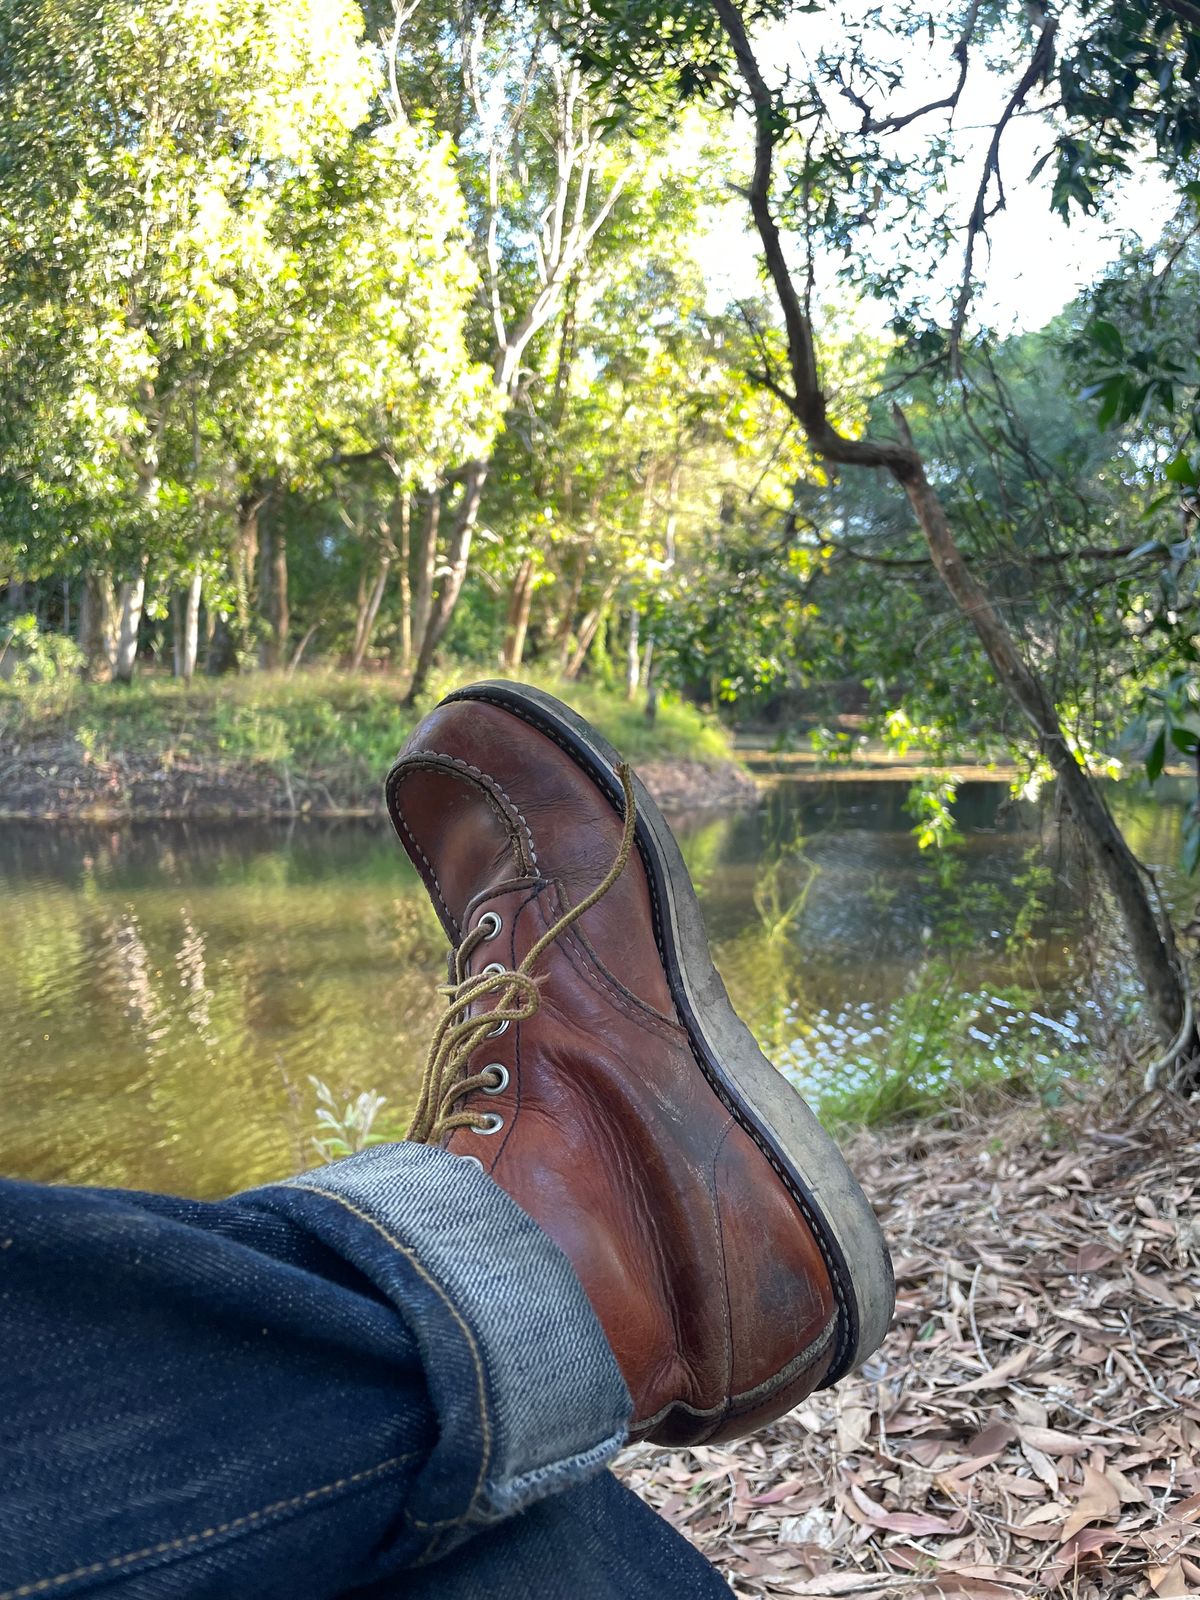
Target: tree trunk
x,y
191,627
632,664
176,634
131,600
368,611
273,597
426,567
97,630
405,559
587,630
237,645
210,628
301,648
520,602
273,594
262,595
458,555
565,626
1113,859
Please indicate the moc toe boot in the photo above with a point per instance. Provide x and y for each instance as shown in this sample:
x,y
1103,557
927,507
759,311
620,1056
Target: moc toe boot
x,y
732,1259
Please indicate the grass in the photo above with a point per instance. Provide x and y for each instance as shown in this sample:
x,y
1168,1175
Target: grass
x,y
344,730
938,1047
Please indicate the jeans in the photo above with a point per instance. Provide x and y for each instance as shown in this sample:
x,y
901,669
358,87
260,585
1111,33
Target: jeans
x,y
378,1379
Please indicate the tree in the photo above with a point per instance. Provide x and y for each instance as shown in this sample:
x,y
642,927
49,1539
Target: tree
x,y
839,181
544,170
220,278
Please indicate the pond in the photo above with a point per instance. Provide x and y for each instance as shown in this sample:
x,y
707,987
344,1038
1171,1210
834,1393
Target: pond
x,y
169,993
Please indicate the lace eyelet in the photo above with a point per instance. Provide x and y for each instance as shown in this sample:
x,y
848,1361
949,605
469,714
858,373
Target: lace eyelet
x,y
493,922
492,1123
493,968
473,1161
494,1033
501,1082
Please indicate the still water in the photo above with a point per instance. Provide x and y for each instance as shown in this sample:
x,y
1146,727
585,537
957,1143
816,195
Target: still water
x,y
168,993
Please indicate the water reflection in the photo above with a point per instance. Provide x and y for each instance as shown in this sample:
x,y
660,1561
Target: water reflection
x,y
167,993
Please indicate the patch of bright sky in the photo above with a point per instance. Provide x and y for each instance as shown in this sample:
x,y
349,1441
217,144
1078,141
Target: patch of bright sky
x,y
1032,263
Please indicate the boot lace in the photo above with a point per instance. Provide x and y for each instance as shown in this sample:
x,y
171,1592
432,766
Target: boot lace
x,y
460,1031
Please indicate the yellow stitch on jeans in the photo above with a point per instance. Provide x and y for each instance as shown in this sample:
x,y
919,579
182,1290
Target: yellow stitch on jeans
x,y
44,1584
480,1380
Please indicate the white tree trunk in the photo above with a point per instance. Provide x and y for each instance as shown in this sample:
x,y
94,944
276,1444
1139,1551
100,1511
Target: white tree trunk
x,y
191,628
177,635
632,663
133,595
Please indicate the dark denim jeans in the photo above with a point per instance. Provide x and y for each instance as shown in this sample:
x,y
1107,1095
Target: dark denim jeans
x,y
380,1379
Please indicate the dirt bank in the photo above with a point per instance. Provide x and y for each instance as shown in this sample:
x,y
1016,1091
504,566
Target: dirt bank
x,y
59,781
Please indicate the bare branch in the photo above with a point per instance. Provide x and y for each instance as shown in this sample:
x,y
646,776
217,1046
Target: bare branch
x,y
1037,69
949,102
1033,558
807,401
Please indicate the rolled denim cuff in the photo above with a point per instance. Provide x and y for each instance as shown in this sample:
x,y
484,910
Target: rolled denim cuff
x,y
528,1395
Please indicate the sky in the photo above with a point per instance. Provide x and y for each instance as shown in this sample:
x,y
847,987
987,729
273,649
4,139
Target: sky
x,y
1032,263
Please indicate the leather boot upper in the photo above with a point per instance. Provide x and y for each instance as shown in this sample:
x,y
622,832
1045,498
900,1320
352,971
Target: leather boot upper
x,y
597,1117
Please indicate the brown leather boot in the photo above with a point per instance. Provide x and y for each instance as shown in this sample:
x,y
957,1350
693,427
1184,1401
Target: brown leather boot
x,y
609,1086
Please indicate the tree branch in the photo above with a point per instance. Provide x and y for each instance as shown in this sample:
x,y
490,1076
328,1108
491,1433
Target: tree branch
x,y
807,401
1039,64
872,124
1033,558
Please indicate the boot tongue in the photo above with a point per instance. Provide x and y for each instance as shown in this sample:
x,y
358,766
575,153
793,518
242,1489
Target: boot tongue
x,y
461,845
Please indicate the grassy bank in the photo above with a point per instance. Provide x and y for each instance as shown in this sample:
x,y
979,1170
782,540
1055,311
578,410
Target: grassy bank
x,y
263,744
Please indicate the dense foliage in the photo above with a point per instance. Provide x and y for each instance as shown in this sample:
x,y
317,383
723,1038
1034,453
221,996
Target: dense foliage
x,y
432,331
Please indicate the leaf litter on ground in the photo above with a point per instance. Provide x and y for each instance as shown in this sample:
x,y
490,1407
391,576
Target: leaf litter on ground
x,y
1031,1425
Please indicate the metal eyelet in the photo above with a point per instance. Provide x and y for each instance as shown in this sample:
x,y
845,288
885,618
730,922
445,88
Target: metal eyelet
x,y
501,1083
492,1123
493,967
493,921
494,1033
473,1160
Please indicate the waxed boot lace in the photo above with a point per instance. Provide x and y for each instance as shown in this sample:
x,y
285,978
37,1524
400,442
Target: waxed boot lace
x,y
445,1081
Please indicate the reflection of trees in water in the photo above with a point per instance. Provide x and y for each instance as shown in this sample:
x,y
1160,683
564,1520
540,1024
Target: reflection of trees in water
x,y
165,993
866,965
131,975
183,1010
190,961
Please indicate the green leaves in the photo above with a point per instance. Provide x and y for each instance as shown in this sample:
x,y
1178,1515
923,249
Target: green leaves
x,y
225,270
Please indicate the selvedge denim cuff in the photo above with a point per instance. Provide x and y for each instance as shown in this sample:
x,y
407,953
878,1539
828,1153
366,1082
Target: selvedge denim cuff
x,y
528,1395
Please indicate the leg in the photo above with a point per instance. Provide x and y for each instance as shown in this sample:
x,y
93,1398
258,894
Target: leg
x,y
595,1542
308,1388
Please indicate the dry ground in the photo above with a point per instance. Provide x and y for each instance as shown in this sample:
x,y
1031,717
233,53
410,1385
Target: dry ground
x,y
1032,1423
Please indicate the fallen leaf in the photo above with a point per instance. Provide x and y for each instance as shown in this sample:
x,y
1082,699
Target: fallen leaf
x,y
853,1426
1008,1369
1051,1442
1169,1582
992,1439
1097,1501
913,1522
